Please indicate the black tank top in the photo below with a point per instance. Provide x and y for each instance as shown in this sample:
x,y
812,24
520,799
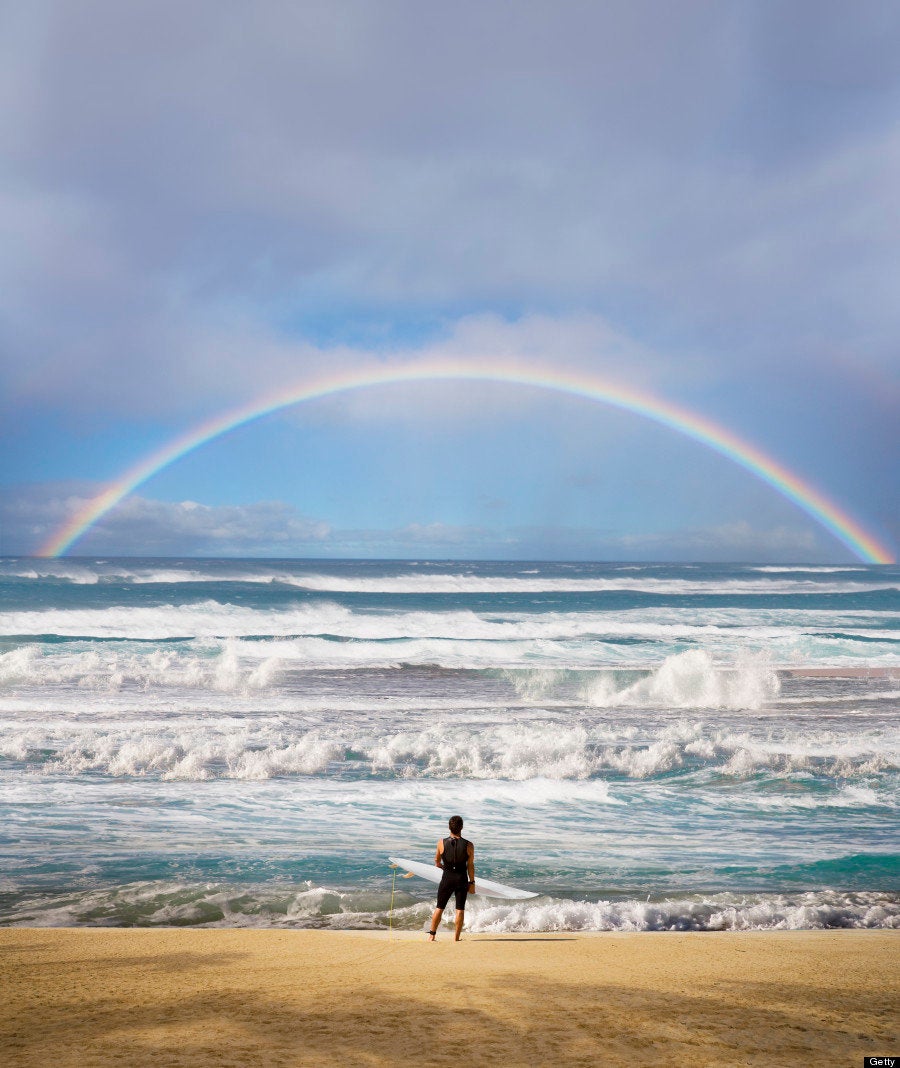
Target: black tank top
x,y
456,855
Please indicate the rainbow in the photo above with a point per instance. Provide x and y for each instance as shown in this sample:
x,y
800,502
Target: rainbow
x,y
838,522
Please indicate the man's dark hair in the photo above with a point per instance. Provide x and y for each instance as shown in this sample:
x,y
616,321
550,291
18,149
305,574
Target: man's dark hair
x,y
456,824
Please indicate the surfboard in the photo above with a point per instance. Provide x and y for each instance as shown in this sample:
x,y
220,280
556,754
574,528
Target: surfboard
x,y
483,887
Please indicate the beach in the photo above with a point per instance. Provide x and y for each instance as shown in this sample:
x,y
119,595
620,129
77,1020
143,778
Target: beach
x,y
266,997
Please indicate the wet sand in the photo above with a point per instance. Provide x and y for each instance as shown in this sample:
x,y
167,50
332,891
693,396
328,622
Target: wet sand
x,y
241,997
892,673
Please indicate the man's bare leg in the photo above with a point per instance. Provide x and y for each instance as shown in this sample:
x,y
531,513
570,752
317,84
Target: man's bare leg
x,y
435,920
460,916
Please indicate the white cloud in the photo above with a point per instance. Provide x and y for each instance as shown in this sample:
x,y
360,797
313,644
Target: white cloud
x,y
142,526
188,185
209,370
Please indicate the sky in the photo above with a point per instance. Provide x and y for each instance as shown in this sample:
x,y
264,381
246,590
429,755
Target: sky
x,y
203,203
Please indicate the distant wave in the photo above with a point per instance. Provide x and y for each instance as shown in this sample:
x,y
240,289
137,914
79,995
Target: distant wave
x,y
754,581
327,634
462,583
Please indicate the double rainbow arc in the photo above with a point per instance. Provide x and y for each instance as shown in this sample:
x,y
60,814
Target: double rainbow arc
x,y
837,521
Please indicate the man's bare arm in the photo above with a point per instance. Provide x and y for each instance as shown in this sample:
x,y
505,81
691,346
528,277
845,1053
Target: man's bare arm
x,y
471,863
438,863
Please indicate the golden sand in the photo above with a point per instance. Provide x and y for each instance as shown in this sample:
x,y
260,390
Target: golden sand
x,y
240,997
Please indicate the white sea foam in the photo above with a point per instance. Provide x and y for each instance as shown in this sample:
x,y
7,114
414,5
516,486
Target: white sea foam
x,y
81,576
718,912
329,635
536,751
263,752
131,680
194,756
691,680
461,582
216,619
471,583
220,670
167,903
848,797
506,752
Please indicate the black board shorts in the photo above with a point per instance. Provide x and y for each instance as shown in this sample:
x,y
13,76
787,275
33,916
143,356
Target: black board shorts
x,y
451,883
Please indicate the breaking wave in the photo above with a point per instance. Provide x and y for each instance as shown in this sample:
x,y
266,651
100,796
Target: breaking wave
x,y
691,680
274,747
719,912
332,635
213,619
150,904
686,680
221,670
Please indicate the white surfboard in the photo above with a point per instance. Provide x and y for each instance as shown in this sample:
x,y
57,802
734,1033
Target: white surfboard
x,y
484,887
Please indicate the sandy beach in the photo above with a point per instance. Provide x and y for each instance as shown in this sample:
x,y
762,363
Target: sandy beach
x,y
269,997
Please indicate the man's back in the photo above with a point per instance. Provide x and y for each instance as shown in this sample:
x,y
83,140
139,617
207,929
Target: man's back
x,y
455,855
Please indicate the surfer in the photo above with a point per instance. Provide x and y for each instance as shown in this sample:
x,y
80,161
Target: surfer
x,y
455,856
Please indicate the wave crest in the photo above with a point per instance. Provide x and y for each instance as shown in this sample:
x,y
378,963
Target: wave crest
x,y
692,680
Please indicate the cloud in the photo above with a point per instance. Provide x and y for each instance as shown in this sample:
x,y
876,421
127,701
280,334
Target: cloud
x,y
150,527
141,526
195,188
227,368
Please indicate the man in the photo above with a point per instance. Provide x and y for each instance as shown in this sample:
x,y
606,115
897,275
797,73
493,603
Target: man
x,y
456,857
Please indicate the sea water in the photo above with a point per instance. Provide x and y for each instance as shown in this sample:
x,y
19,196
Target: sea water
x,y
648,747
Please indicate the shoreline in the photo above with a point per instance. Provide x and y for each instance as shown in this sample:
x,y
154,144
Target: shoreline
x,y
235,997
874,672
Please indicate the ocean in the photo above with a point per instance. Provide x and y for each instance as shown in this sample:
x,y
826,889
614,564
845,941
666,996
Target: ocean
x,y
648,747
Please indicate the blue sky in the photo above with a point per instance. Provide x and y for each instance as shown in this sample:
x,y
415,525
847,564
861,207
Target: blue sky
x,y
204,202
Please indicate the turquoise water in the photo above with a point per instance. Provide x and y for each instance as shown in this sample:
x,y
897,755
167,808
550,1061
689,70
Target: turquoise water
x,y
647,747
